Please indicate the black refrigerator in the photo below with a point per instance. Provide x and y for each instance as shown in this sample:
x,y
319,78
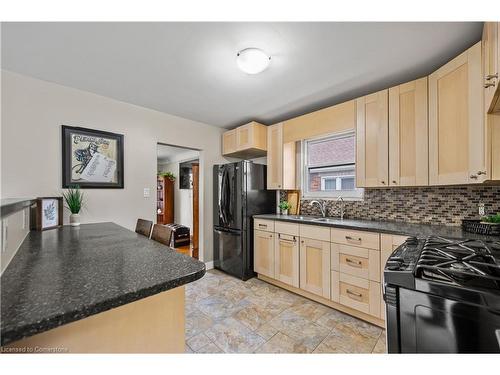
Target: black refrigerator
x,y
239,193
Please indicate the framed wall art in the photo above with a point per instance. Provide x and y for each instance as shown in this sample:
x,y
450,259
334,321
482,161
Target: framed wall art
x,y
91,158
47,214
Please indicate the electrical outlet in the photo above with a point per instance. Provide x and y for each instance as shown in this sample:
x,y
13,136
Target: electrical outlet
x,y
146,193
481,209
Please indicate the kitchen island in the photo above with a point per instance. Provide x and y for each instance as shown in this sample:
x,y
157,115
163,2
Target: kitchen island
x,y
97,288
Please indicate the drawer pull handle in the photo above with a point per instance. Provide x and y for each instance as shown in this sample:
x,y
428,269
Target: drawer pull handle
x,y
351,294
262,225
286,239
349,238
355,263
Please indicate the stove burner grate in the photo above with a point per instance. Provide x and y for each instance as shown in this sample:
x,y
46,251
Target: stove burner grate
x,y
460,262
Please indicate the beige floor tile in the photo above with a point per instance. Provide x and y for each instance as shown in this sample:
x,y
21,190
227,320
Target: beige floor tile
x,y
300,329
187,349
210,349
233,337
381,346
266,331
310,310
281,343
254,316
343,339
197,342
196,323
218,307
333,318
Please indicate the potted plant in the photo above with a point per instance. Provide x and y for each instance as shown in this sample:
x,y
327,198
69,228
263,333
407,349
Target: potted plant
x,y
491,219
74,199
284,207
168,175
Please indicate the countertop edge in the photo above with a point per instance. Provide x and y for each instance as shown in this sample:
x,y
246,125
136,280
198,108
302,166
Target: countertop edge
x,y
8,337
17,205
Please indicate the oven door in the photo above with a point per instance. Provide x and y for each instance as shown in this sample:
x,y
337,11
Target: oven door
x,y
433,324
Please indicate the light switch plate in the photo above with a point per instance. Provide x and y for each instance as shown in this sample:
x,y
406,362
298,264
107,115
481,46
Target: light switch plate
x,y
146,192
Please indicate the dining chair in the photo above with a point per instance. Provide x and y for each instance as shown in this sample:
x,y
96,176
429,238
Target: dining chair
x,y
143,227
161,234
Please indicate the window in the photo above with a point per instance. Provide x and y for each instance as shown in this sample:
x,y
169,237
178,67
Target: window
x,y
330,167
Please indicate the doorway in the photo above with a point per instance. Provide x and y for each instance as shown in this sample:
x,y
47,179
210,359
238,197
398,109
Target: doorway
x,y
178,195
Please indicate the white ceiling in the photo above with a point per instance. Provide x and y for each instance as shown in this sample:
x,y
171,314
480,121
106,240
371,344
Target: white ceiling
x,y
172,154
189,69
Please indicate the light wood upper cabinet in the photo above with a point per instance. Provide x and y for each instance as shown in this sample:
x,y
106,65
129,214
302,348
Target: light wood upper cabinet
x,y
372,140
229,142
275,156
281,160
246,141
491,58
315,267
457,152
286,258
408,134
263,252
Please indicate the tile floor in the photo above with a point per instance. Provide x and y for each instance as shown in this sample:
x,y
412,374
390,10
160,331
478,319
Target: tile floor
x,y
227,315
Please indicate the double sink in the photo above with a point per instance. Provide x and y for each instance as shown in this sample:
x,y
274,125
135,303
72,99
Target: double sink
x,y
314,219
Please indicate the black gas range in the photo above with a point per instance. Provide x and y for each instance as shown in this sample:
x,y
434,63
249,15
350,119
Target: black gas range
x,y
443,296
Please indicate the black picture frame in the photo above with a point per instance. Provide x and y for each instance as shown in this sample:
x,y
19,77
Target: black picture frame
x,y
67,132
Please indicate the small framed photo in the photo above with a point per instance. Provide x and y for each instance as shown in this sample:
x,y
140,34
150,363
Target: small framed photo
x,y
91,158
48,213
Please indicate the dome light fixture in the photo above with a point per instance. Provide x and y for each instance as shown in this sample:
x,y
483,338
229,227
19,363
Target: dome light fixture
x,y
252,60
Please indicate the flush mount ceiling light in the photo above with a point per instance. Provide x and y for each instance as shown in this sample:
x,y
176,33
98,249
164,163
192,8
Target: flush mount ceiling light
x,y
252,60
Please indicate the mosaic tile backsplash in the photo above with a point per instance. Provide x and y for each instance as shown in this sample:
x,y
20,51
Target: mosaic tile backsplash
x,y
430,205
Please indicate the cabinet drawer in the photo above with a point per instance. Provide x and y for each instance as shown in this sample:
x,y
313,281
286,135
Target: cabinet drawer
x,y
357,238
356,261
357,293
315,232
286,228
261,224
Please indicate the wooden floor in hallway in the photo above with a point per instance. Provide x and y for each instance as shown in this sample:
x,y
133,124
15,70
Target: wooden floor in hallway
x,y
227,315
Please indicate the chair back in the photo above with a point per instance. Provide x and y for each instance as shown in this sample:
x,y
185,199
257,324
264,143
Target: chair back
x,y
143,227
161,234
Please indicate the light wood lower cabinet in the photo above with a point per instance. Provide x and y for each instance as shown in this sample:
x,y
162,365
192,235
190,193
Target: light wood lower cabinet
x,y
388,243
356,261
286,259
315,266
357,293
263,252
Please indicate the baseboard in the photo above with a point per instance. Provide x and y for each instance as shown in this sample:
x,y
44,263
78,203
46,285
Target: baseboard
x,y
209,265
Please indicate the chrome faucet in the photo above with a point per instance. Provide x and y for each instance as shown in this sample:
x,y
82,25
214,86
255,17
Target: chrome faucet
x,y
341,206
322,206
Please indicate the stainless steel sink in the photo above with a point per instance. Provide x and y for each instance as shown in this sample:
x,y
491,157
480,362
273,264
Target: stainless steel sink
x,y
326,220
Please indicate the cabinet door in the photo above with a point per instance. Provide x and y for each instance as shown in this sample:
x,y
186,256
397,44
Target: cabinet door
x,y
490,52
388,243
244,137
457,153
315,267
408,134
229,142
275,156
287,259
372,140
263,253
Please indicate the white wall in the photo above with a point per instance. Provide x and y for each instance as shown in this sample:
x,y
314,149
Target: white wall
x,y
32,114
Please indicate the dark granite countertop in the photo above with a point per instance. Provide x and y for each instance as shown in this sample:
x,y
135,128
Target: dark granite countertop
x,y
390,227
11,205
63,275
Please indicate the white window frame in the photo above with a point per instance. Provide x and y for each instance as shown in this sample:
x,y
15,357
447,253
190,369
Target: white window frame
x,y
356,194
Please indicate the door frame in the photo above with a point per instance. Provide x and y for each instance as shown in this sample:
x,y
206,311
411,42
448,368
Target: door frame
x,y
201,194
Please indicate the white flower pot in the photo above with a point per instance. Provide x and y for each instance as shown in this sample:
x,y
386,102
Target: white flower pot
x,y
74,220
284,212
